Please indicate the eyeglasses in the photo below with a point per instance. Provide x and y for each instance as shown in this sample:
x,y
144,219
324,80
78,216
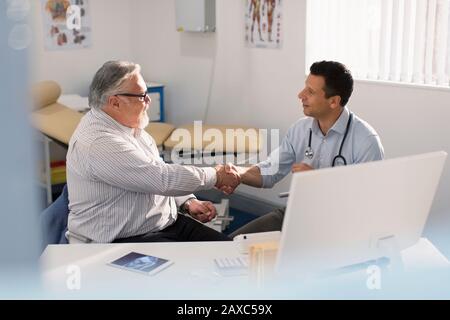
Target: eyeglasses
x,y
141,97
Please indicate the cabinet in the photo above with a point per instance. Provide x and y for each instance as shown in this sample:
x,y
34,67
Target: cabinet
x,y
156,93
195,15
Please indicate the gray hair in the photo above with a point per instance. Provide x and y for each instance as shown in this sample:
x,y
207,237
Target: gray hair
x,y
109,80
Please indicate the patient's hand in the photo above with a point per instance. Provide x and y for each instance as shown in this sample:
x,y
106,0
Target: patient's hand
x,y
299,167
228,178
203,211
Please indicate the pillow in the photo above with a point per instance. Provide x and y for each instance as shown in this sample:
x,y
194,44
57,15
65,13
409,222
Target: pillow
x,y
45,93
74,101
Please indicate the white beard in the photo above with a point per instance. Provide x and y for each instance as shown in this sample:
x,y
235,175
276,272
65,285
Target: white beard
x,y
144,122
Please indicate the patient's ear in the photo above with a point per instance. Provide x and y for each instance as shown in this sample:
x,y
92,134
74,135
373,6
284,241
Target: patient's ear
x,y
114,102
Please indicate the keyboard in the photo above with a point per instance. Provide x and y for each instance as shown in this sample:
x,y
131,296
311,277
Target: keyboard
x,y
232,266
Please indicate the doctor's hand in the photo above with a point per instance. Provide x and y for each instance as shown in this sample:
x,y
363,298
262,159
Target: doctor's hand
x,y
299,167
203,211
228,178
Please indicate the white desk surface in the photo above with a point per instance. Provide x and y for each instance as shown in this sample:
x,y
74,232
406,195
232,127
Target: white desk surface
x,y
192,276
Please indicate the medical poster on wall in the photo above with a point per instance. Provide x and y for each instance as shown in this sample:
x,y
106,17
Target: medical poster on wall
x,y
66,24
263,23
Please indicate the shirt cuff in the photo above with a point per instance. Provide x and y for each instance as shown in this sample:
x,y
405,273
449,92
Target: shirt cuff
x,y
265,173
181,200
210,177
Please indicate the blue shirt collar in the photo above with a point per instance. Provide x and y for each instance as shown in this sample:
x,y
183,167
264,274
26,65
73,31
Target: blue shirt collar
x,y
339,126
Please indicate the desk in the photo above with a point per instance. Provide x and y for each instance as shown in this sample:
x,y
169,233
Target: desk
x,y
193,275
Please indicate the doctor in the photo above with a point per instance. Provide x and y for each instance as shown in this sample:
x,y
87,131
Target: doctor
x,y
331,135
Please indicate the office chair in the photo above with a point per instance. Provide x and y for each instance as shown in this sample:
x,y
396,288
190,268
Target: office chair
x,y
54,220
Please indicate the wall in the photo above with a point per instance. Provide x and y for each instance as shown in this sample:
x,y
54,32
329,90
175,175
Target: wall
x,y
181,61
217,73
74,69
195,66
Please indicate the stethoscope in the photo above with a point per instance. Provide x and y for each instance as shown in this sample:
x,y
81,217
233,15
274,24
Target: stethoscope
x,y
309,152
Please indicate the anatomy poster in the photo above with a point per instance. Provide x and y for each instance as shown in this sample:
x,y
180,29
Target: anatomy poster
x,y
263,23
66,24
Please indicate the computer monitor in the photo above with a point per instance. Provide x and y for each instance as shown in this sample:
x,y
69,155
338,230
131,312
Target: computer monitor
x,y
337,217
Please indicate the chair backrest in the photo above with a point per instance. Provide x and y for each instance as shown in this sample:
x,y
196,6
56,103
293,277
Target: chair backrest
x,y
54,220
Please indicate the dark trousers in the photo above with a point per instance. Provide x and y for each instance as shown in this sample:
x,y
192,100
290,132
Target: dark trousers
x,y
184,229
272,221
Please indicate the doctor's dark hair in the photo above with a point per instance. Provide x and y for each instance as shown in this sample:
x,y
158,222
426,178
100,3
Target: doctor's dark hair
x,y
338,79
109,79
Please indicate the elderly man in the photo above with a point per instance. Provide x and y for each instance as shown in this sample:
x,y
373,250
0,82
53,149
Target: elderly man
x,y
119,188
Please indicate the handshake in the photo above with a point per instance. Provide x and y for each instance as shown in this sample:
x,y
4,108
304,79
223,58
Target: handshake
x,y
228,178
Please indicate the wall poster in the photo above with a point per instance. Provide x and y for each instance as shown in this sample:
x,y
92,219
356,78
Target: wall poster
x,y
263,23
66,24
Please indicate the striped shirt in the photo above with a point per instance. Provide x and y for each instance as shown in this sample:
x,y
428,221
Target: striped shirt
x,y
119,186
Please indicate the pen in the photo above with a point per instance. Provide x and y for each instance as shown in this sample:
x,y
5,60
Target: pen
x,y
224,218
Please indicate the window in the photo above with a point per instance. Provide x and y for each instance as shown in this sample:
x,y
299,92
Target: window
x,y
390,40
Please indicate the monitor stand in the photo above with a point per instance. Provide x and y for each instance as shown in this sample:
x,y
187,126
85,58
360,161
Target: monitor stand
x,y
388,247
389,259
